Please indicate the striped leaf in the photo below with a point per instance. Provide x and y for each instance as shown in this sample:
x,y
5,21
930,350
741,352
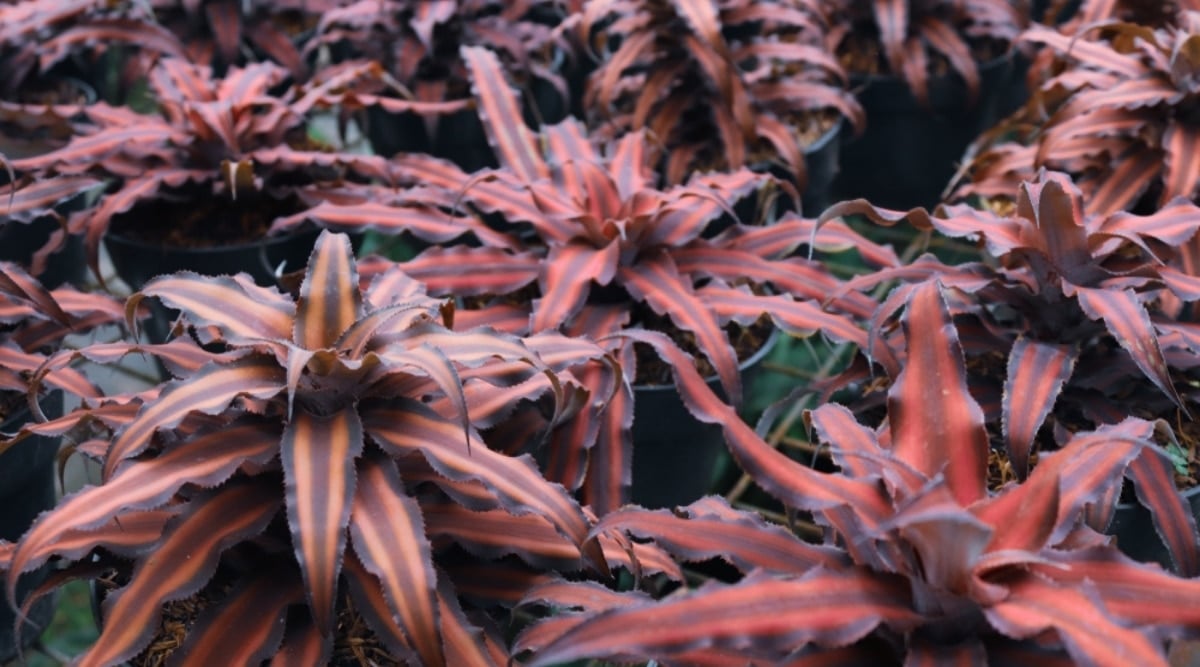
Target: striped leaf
x,y
936,426
826,607
209,391
318,454
237,308
204,461
565,280
1153,478
1126,319
658,283
369,601
497,271
610,459
330,300
389,539
742,538
1181,143
303,645
183,562
24,202
1091,635
247,627
1037,372
498,107
512,483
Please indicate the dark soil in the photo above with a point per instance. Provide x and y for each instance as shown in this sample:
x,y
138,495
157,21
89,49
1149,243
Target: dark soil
x,y
203,221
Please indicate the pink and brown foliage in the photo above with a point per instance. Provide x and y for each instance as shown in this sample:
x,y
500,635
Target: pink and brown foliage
x,y
1074,321
1115,108
922,563
607,250
333,439
719,85
910,37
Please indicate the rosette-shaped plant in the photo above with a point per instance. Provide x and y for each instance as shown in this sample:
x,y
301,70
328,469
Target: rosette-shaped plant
x,y
316,446
922,563
1117,111
721,85
1074,321
596,248
418,43
233,149
912,38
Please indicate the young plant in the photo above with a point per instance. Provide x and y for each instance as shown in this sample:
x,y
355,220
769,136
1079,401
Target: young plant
x,y
596,248
418,44
718,85
44,42
310,447
922,563
1116,111
233,149
1075,321
912,39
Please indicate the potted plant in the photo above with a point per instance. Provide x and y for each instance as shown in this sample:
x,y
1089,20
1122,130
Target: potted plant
x,y
722,86
196,184
319,462
593,247
1113,111
418,45
928,74
921,562
33,324
1075,321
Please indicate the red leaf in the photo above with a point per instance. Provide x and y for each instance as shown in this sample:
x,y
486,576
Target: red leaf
x,y
389,539
330,300
183,562
936,425
1037,372
1091,635
318,464
498,107
777,614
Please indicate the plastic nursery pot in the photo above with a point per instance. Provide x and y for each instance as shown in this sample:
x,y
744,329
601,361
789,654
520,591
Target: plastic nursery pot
x,y
19,241
674,454
26,490
821,162
908,152
1135,533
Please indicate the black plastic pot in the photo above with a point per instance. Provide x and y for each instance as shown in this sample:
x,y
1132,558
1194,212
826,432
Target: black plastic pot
x,y
26,489
674,454
821,162
19,241
1136,535
908,153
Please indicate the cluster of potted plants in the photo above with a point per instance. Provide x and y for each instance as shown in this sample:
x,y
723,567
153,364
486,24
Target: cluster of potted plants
x,y
458,305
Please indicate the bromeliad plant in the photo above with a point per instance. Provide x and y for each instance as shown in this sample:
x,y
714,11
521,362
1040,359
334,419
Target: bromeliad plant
x,y
226,155
418,44
917,39
1117,111
597,249
313,446
1075,322
922,563
718,85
